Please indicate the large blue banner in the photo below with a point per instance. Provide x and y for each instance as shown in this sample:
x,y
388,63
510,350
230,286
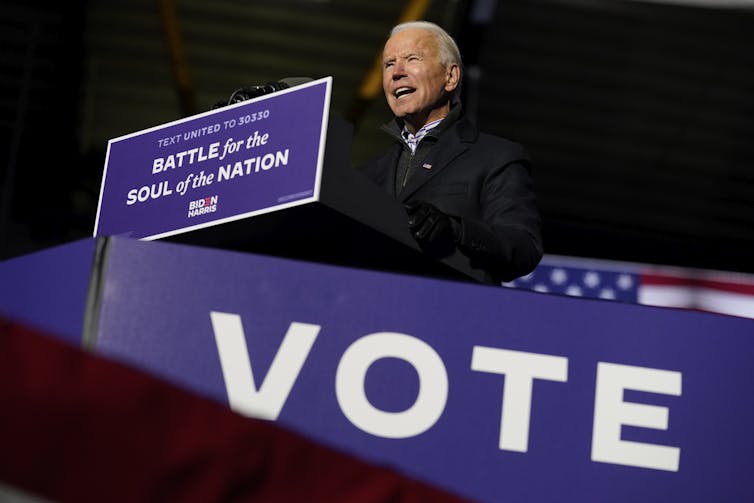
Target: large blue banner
x,y
48,289
496,394
232,163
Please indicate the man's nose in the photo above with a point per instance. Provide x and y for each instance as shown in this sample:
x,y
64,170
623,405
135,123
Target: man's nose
x,y
398,71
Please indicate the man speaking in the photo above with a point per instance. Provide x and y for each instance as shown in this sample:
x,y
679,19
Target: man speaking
x,y
464,191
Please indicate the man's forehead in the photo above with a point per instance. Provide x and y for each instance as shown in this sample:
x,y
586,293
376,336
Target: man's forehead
x,y
412,40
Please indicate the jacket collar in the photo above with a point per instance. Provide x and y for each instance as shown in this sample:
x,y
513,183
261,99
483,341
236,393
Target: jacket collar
x,y
395,127
455,131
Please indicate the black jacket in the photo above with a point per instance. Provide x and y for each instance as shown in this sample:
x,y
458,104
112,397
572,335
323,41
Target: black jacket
x,y
484,180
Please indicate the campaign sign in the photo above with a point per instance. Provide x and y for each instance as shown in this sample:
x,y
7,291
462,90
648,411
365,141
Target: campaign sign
x,y
257,156
493,393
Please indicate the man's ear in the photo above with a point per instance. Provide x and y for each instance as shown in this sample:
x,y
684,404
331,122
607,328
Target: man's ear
x,y
451,77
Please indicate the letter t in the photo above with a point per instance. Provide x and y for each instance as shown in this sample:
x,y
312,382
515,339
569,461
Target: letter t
x,y
520,369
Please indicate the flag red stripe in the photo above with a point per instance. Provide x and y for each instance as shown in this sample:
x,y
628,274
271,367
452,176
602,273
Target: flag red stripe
x,y
709,284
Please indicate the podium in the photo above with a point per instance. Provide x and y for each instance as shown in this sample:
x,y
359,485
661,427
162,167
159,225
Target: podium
x,y
491,393
290,186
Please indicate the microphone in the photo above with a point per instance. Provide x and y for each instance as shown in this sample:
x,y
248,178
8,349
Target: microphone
x,y
247,93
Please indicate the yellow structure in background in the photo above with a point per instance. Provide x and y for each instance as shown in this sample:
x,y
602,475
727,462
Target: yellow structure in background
x,y
371,86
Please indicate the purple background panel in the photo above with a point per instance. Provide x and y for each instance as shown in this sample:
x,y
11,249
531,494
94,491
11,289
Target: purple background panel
x,y
155,315
48,289
293,119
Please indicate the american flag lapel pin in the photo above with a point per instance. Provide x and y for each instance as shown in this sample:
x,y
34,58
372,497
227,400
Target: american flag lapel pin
x,y
427,165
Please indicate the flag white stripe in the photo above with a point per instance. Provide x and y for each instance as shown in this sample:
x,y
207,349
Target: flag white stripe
x,y
706,299
667,296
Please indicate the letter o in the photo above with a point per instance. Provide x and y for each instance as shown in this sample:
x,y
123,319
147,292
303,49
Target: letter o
x,y
268,161
143,194
433,385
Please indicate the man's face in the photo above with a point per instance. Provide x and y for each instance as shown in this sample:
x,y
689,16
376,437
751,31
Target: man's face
x,y
416,85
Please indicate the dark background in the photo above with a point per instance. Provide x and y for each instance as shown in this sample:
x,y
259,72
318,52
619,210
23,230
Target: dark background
x,y
639,115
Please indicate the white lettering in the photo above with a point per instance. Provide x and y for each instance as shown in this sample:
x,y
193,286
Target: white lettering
x,y
243,395
520,369
433,385
611,412
157,165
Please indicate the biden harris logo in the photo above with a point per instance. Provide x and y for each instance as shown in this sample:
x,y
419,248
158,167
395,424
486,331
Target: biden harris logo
x,y
202,206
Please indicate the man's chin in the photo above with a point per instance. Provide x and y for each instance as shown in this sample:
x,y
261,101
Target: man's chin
x,y
402,111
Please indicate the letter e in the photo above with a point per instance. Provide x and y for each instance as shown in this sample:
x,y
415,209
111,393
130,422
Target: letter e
x,y
611,412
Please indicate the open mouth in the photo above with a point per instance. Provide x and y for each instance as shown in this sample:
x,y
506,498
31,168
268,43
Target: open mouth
x,y
403,91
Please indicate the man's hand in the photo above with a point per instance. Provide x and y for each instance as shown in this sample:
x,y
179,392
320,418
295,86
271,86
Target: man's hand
x,y
435,231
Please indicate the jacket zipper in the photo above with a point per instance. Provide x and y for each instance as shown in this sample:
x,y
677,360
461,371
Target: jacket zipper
x,y
408,169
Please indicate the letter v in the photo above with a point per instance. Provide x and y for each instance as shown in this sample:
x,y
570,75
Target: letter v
x,y
243,396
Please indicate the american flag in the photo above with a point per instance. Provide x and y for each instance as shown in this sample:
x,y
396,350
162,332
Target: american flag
x,y
698,289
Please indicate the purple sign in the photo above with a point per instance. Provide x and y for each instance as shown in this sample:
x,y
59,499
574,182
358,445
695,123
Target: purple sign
x,y
493,393
246,159
48,289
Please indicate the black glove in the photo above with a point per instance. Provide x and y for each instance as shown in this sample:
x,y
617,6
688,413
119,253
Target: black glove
x,y
435,231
